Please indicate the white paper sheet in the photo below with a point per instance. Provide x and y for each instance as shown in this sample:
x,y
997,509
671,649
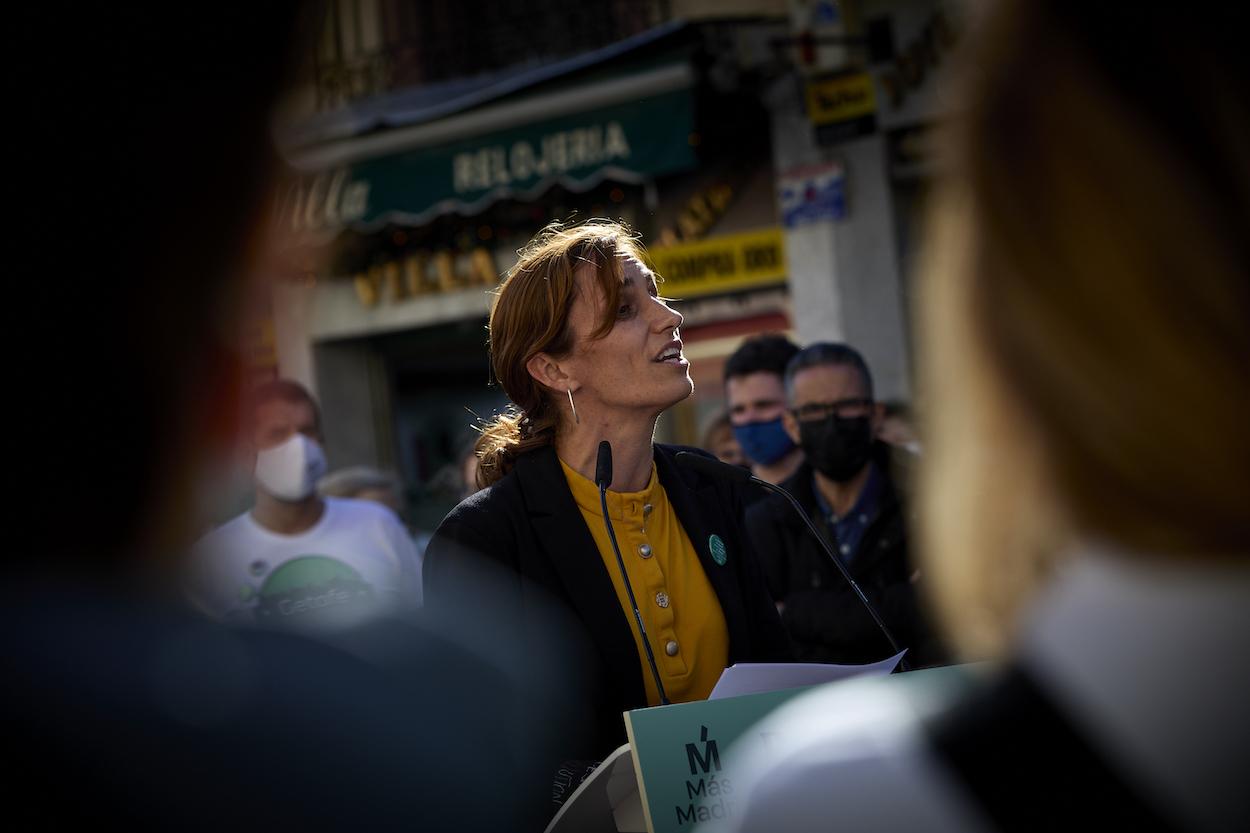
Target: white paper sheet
x,y
758,677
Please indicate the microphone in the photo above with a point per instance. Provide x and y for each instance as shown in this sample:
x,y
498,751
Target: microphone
x,y
603,478
737,474
603,465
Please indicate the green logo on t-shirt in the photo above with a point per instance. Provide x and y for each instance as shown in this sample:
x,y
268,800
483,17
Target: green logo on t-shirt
x,y
313,587
717,547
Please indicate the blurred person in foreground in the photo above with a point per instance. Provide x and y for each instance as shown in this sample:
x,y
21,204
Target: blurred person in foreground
x,y
588,351
898,428
756,395
125,709
297,559
719,441
851,484
364,483
1087,468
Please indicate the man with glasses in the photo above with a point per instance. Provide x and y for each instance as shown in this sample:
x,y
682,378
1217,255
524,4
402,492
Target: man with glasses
x,y
847,484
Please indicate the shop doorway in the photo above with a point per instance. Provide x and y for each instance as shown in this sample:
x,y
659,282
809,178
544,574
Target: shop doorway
x,y
440,387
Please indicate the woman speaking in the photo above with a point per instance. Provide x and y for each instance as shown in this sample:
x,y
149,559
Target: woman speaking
x,y
588,351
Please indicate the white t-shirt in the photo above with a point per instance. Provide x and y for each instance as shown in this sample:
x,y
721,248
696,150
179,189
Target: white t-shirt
x,y
356,562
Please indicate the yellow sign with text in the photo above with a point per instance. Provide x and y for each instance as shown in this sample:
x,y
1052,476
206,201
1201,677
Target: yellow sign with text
x,y
840,99
722,264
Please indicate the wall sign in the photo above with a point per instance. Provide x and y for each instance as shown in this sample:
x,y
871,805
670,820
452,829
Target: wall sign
x,y
842,107
811,194
628,142
721,264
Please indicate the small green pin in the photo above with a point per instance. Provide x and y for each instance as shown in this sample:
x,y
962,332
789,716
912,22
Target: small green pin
x,y
717,547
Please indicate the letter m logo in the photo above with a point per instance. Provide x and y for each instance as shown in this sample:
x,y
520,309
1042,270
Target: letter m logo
x,y
706,762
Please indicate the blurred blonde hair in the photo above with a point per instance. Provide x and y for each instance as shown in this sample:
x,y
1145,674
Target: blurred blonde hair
x,y
1085,304
530,316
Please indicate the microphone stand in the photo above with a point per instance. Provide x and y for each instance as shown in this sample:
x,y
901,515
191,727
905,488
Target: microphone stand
x,y
603,476
717,468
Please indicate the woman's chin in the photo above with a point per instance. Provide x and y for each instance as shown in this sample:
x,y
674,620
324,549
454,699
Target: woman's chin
x,y
686,390
652,405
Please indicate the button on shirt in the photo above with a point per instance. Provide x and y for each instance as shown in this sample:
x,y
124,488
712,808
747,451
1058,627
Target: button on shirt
x,y
848,530
679,608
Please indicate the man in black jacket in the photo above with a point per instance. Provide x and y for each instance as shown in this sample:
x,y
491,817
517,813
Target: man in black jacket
x,y
849,486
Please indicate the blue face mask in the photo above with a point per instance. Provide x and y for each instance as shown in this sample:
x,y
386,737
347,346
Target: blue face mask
x,y
764,442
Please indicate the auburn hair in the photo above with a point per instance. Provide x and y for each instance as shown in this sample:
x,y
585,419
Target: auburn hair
x,y
531,316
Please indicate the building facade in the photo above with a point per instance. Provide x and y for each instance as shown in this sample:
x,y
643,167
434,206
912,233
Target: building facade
x,y
417,170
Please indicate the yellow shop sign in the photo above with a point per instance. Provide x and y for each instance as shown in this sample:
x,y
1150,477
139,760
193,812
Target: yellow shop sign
x,y
840,98
721,264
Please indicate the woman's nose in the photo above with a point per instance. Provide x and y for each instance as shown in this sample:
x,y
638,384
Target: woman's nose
x,y
671,319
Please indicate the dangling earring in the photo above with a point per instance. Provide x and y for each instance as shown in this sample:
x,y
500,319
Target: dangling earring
x,y
569,391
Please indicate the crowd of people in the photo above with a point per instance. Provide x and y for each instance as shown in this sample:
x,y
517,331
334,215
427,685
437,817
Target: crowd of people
x,y
1080,485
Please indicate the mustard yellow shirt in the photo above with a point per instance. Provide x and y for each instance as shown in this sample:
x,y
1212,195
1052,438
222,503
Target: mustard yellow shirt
x,y
679,608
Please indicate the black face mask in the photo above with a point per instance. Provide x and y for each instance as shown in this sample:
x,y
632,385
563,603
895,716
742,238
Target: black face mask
x,y
837,447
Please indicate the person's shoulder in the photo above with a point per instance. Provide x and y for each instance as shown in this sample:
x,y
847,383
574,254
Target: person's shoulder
x,y
666,455
898,465
847,753
479,530
800,481
360,511
502,493
485,509
228,532
672,450
773,508
767,510
355,517
671,471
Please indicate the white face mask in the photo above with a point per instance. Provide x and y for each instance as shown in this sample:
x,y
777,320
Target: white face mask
x,y
290,471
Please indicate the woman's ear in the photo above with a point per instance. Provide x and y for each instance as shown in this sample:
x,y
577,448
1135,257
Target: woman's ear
x,y
546,371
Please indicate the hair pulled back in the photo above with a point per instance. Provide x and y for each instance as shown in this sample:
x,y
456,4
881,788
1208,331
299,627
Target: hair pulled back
x,y
531,316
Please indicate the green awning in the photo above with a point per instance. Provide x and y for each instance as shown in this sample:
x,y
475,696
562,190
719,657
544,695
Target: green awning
x,y
626,142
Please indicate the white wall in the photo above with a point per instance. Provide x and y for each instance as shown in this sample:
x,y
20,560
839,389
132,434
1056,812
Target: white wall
x,y
331,310
844,275
845,279
292,309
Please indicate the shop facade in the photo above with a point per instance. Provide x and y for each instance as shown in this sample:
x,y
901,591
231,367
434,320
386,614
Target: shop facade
x,y
417,223
772,195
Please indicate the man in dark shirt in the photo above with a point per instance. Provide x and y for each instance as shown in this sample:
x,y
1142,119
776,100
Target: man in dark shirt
x,y
849,484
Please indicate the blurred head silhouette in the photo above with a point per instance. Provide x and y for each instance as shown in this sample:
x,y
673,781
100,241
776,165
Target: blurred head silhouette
x,y
364,483
718,438
144,224
1086,302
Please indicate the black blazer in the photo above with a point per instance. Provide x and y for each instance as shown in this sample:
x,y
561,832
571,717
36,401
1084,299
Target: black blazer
x,y
523,542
